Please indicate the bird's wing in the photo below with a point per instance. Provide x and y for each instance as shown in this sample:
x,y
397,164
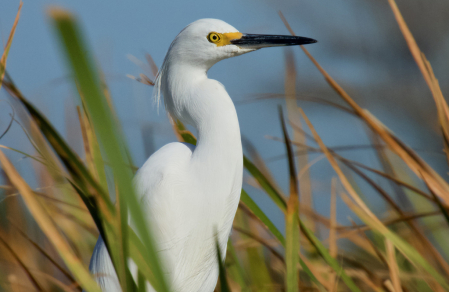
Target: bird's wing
x,y
163,184
102,268
173,203
158,184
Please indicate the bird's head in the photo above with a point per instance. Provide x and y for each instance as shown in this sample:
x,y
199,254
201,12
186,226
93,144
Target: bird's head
x,y
207,41
204,42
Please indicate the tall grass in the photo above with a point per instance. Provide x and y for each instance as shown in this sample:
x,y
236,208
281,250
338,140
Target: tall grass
x,y
400,253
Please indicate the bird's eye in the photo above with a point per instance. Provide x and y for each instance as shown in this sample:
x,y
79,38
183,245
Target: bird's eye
x,y
213,37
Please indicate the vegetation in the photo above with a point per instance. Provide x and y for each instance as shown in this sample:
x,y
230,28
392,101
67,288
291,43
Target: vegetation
x,y
394,251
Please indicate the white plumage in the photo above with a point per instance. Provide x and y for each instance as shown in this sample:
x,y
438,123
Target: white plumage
x,y
190,193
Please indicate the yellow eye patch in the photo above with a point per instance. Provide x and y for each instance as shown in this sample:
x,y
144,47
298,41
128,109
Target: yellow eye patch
x,y
223,39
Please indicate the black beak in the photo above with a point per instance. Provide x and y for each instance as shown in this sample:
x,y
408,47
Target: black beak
x,y
258,41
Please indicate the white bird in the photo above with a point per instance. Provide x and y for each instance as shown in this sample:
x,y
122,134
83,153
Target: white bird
x,y
190,193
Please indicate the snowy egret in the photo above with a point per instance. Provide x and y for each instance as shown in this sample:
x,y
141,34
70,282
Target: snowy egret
x,y
190,193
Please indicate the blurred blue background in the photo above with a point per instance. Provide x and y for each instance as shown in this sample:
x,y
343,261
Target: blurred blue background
x,y
359,44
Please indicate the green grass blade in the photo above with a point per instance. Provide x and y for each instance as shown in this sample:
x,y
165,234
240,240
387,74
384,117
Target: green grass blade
x,y
93,145
236,270
328,258
265,184
311,275
257,272
141,283
224,286
140,256
111,142
24,154
246,199
292,247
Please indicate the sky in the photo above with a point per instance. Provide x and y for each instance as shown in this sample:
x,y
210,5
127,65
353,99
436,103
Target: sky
x,y
116,30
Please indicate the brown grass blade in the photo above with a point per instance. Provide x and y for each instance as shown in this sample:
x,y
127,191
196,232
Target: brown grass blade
x,y
422,244
416,275
94,197
48,227
378,253
427,72
8,45
387,176
393,266
352,163
22,265
43,252
260,240
388,222
63,287
152,64
415,163
388,168
368,216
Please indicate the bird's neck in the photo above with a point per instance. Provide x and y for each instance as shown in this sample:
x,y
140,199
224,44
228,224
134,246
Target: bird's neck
x,y
203,103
